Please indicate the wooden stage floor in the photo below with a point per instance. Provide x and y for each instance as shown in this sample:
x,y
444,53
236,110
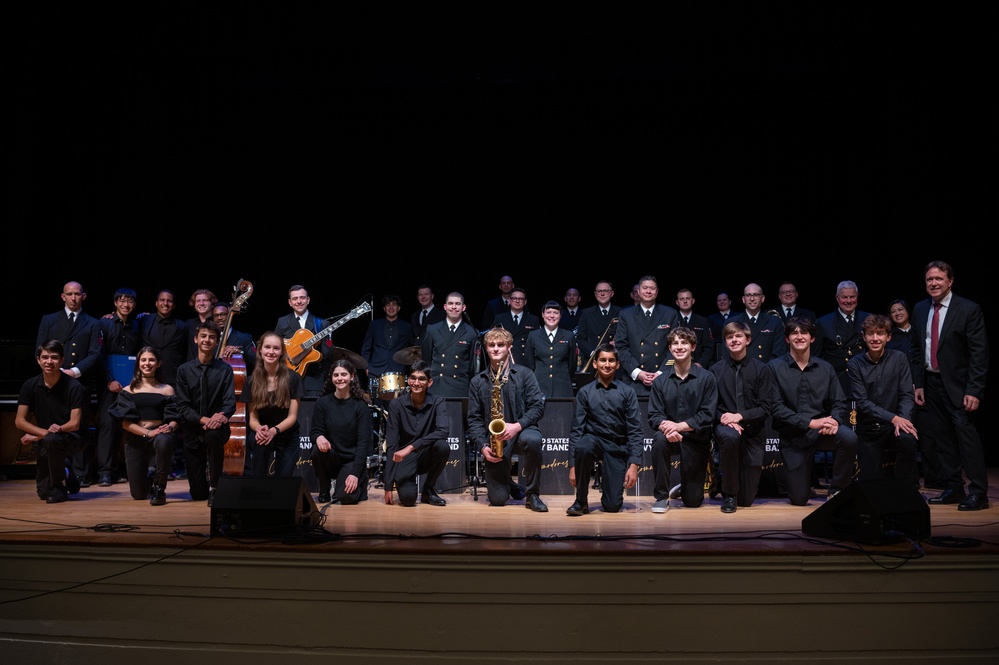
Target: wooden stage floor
x,y
108,516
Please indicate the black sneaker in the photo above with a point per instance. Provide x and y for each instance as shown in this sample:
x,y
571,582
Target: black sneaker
x,y
159,497
72,484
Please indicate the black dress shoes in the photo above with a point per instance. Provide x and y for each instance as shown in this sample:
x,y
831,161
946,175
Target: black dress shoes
x,y
948,497
159,497
431,497
56,495
72,484
516,491
105,480
728,504
323,498
577,508
974,502
535,503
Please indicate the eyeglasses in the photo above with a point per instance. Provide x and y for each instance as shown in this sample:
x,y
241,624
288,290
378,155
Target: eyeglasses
x,y
517,298
753,295
603,291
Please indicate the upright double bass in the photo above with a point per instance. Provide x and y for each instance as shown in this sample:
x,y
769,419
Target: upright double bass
x,y
235,447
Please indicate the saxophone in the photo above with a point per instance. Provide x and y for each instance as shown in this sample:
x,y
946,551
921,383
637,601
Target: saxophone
x,y
498,424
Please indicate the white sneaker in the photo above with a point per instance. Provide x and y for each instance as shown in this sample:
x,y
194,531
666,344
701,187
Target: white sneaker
x,y
660,506
675,492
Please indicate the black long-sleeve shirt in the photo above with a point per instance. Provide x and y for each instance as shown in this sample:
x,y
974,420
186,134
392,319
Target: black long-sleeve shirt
x,y
692,400
881,389
220,392
757,390
610,413
801,395
408,425
346,423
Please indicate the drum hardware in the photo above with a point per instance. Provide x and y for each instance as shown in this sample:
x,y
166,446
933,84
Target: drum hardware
x,y
376,462
408,356
391,385
357,360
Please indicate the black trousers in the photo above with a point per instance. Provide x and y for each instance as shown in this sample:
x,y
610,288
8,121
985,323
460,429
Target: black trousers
x,y
590,448
431,460
527,445
694,457
204,455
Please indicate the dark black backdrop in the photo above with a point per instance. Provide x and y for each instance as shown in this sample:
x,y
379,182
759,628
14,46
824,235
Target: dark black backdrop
x,y
365,151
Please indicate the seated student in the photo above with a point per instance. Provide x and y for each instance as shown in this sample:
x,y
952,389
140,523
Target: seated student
x,y
606,427
56,400
681,409
809,409
341,437
508,393
745,391
147,409
416,440
881,387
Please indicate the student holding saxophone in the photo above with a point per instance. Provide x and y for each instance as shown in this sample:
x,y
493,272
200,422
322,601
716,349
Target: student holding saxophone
x,y
505,405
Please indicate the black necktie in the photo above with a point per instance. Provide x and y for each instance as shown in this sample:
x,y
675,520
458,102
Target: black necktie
x,y
453,327
788,312
604,311
551,338
204,390
516,319
849,319
648,313
740,400
423,317
752,320
686,320
72,317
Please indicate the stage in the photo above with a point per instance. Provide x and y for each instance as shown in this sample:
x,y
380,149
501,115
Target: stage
x,y
103,578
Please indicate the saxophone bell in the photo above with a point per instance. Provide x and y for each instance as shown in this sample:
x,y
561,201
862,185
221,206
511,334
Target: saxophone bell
x,y
496,427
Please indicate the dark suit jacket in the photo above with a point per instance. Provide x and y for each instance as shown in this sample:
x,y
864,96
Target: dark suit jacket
x,y
171,342
78,341
553,364
452,358
493,307
768,336
962,349
799,312
704,354
378,350
528,322
315,373
591,326
570,321
718,322
835,344
642,345
437,314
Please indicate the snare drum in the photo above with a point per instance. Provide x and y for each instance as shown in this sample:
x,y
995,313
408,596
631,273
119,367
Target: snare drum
x,y
391,385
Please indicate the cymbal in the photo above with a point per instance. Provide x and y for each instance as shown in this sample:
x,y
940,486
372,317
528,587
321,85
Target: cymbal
x,y
408,356
358,360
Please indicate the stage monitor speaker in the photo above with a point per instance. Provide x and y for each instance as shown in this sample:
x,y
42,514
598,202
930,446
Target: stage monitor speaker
x,y
873,512
262,507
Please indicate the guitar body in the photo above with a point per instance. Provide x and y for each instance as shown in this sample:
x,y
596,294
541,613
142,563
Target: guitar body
x,y
300,351
297,357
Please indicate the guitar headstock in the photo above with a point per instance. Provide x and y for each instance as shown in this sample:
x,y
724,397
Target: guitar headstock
x,y
361,309
245,290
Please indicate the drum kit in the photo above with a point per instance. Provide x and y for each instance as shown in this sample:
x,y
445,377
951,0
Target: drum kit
x,y
387,387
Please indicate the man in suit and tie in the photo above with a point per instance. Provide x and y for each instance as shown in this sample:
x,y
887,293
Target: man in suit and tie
x,y
302,319
519,322
950,363
704,354
167,334
80,337
571,311
595,320
788,295
427,314
838,335
767,339
499,304
641,336
451,347
718,320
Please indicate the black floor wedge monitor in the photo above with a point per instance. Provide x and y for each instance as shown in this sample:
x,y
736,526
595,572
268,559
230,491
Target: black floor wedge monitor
x,y
262,507
873,512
